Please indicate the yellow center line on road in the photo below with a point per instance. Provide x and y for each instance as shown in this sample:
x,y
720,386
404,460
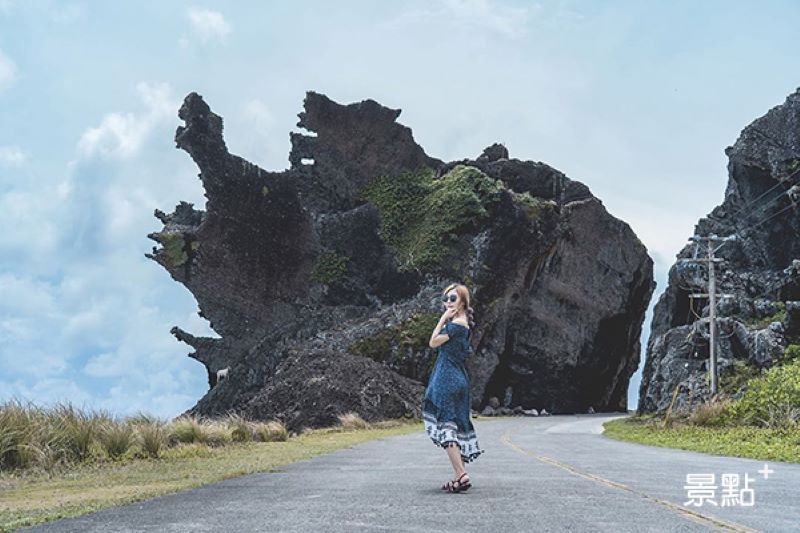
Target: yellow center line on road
x,y
680,510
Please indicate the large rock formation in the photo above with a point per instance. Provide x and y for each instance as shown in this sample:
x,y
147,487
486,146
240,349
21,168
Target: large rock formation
x,y
759,272
323,280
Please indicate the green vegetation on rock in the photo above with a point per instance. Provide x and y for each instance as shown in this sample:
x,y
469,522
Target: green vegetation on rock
x,y
791,353
777,316
736,376
422,215
411,335
331,266
532,205
173,243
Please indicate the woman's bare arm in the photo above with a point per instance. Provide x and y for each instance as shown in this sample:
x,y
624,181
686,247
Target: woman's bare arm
x,y
437,339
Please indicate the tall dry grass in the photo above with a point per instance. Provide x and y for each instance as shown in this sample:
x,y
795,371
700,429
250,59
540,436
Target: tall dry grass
x,y
35,437
152,438
116,438
271,431
710,414
352,421
241,430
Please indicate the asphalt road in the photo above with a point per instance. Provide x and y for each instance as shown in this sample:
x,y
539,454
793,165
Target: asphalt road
x,y
554,473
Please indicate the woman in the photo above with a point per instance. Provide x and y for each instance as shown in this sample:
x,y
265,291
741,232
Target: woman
x,y
446,405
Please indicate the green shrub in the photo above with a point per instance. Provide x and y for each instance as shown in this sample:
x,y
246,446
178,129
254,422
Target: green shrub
x,y
771,398
791,353
781,415
736,376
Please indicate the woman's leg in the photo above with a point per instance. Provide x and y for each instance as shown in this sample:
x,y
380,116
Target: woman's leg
x,y
454,453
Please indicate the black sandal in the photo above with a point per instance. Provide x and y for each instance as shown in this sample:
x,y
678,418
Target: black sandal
x,y
456,485
463,487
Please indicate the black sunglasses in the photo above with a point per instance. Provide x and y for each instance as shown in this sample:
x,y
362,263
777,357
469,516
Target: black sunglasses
x,y
452,298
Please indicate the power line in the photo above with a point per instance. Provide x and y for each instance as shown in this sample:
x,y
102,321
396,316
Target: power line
x,y
791,205
778,184
761,210
711,260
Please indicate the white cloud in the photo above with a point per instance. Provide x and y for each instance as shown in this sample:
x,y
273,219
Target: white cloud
x,y
26,210
8,71
12,156
488,16
106,365
495,16
104,198
259,113
209,24
121,135
107,318
252,132
83,315
45,392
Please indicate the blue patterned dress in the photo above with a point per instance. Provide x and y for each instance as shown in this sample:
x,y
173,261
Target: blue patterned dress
x,y
446,404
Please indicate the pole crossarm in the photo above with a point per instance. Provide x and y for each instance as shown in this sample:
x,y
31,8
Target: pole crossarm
x,y
702,260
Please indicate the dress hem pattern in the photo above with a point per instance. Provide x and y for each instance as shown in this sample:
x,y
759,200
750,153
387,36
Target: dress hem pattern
x,y
443,433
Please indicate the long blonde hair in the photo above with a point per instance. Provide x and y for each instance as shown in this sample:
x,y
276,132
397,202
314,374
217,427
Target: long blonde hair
x,y
463,295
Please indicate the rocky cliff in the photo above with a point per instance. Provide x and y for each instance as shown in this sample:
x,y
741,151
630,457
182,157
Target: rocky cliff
x,y
323,280
760,314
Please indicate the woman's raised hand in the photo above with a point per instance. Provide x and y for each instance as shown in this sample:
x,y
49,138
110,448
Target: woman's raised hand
x,y
449,314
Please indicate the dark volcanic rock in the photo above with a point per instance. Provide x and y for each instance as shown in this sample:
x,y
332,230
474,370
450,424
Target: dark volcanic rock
x,y
493,153
759,271
323,281
310,390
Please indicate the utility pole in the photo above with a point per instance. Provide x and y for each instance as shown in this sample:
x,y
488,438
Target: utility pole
x,y
712,297
712,317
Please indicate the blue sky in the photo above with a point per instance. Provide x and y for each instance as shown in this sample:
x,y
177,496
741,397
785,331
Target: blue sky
x,y
636,99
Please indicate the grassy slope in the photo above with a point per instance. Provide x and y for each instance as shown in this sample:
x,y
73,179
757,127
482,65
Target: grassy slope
x,y
738,441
